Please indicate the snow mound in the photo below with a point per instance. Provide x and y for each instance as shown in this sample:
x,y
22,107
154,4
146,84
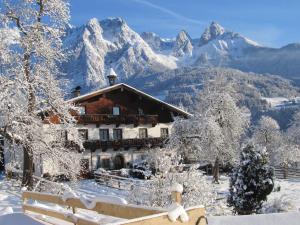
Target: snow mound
x,y
177,187
17,219
7,210
3,197
177,211
261,219
90,203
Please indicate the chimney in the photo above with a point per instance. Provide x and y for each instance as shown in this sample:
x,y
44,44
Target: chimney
x,y
112,76
76,91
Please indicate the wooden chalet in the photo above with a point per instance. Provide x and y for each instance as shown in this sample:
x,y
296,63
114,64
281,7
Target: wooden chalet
x,y
120,124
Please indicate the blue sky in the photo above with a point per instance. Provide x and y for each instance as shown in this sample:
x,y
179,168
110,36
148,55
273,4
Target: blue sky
x,y
270,22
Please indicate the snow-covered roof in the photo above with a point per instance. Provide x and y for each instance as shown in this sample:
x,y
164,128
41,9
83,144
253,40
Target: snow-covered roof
x,y
117,86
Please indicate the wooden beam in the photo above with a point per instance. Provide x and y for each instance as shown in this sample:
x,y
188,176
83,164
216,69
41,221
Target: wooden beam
x,y
58,215
122,211
196,217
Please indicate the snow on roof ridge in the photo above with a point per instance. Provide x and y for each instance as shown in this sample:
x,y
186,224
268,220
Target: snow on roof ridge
x,y
130,87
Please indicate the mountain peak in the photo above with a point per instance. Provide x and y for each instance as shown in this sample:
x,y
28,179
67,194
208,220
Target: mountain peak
x,y
93,21
183,45
113,22
183,35
211,32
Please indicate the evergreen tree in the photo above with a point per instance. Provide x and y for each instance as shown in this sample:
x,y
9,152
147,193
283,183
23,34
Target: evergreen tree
x,y
251,181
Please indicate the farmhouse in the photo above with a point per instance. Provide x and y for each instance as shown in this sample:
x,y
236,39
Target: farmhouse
x,y
120,124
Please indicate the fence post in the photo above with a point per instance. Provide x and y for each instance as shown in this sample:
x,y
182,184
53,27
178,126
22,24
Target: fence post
x,y
74,211
176,193
24,201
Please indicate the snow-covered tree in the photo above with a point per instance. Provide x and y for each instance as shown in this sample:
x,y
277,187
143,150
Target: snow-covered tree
x,y
251,181
293,132
183,140
287,154
221,124
29,85
267,133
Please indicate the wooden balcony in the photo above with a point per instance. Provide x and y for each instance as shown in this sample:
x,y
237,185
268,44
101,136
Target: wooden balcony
x,y
121,119
125,143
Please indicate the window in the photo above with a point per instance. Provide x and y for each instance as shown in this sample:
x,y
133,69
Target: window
x,y
117,134
164,132
98,165
81,110
143,133
140,111
116,111
105,163
83,134
104,134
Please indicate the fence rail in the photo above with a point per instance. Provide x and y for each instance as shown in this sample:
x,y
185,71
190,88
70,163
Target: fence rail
x,y
287,173
133,214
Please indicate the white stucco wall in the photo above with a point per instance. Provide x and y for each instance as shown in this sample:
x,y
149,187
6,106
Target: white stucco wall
x,y
128,131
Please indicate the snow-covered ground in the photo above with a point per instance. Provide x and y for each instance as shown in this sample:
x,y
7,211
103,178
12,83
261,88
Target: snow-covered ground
x,y
10,195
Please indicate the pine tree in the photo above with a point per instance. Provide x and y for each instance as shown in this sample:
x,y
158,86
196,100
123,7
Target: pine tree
x,y
251,181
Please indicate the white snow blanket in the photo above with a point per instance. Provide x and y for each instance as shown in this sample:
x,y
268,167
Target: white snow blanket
x,y
18,219
292,218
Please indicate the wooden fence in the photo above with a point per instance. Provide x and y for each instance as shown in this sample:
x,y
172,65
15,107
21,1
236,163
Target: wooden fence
x,y
40,184
118,182
133,214
287,173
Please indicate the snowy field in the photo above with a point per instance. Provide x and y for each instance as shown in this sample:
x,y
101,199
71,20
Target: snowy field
x,y
10,197
281,102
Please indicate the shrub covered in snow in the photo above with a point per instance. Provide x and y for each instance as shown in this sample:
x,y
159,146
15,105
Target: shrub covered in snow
x,y
197,190
251,181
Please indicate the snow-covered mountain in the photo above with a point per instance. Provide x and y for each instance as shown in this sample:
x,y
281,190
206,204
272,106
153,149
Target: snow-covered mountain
x,y
212,32
99,45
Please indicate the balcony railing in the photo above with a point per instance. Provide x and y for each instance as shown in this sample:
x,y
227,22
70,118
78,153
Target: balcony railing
x,y
125,143
113,119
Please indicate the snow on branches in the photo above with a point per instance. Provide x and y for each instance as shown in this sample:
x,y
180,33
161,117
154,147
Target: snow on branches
x,y
29,84
251,181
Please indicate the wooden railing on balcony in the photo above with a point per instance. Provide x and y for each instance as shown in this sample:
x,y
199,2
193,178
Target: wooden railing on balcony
x,y
125,143
113,119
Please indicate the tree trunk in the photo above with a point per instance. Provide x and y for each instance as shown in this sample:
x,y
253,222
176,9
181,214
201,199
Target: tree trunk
x,y
27,180
216,171
285,171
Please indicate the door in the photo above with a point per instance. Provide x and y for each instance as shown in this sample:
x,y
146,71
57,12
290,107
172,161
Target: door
x,y
119,162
